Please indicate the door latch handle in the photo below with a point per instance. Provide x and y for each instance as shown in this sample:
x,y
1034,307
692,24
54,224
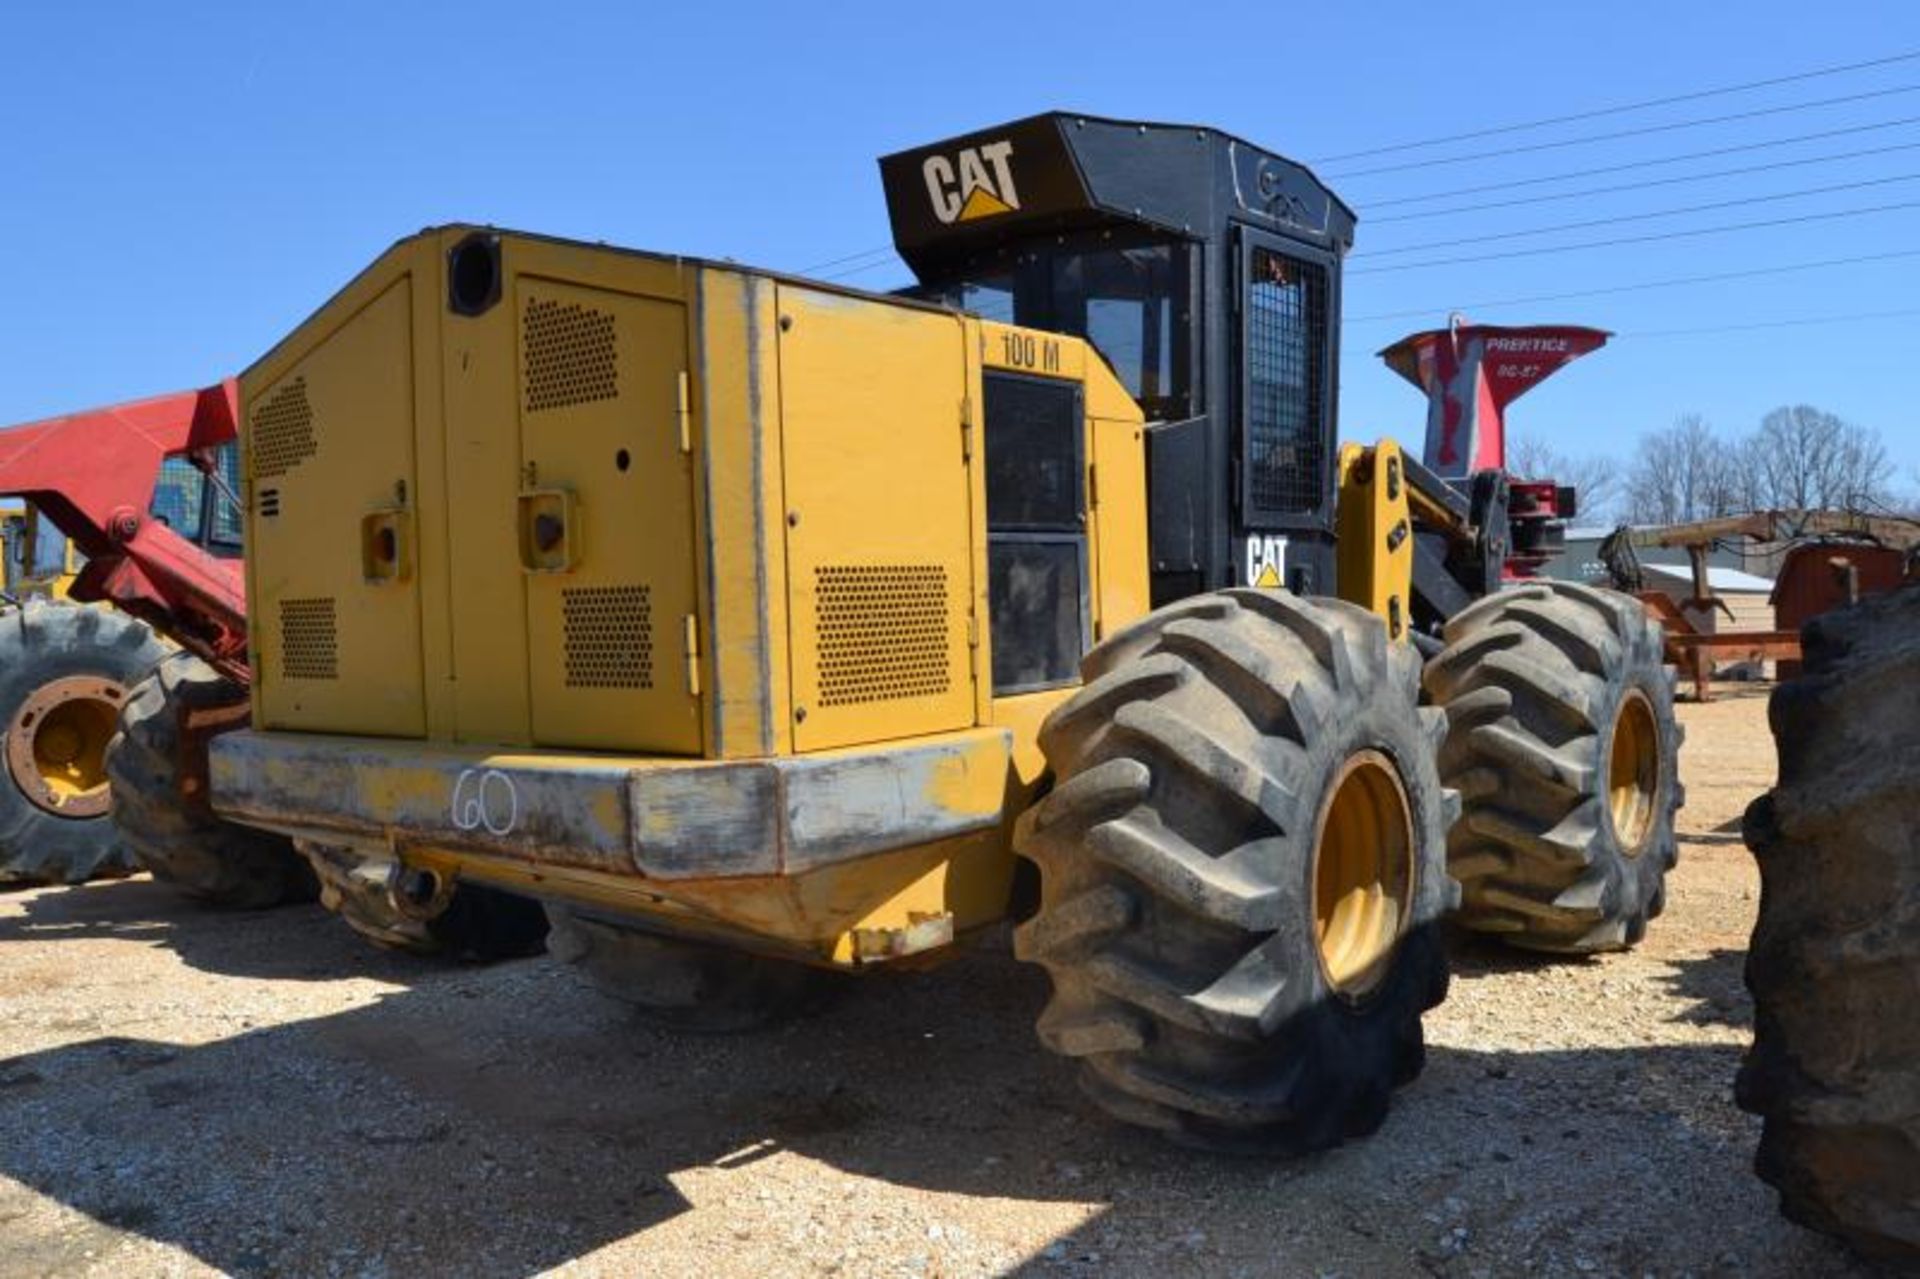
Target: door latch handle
x,y
549,521
386,550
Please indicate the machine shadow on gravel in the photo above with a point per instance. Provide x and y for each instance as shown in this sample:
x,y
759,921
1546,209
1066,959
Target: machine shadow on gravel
x,y
505,1120
287,943
1716,988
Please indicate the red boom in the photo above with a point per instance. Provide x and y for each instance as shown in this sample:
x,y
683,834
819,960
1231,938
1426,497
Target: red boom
x,y
92,474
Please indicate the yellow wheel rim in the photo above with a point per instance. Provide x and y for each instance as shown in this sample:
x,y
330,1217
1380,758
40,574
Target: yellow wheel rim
x,y
1633,772
57,744
1363,873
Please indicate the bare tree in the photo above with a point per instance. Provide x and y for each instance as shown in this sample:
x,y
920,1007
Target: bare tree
x,y
1746,462
1595,480
1799,458
1686,472
1808,459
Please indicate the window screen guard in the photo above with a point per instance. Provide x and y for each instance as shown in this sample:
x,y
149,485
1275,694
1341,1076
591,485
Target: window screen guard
x,y
179,496
1284,358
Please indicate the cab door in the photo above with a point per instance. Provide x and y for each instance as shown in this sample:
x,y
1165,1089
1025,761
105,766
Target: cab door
x,y
1287,352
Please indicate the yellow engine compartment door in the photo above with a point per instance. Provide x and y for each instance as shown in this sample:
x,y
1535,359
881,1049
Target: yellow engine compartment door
x,y
879,555
331,445
606,519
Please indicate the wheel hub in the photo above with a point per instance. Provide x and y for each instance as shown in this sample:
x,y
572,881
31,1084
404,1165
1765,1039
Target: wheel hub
x,y
56,747
1363,873
1633,772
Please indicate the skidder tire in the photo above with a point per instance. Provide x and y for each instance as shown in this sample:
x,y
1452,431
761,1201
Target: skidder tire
x,y
158,768
1834,966
688,985
1563,745
1242,864
456,921
65,672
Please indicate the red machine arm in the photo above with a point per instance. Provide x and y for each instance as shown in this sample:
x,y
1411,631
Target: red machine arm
x,y
92,474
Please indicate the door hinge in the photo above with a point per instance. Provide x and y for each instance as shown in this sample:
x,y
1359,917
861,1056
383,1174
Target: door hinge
x,y
973,630
966,428
685,414
1093,486
693,656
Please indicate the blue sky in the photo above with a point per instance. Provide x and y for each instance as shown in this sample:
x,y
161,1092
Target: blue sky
x,y
179,185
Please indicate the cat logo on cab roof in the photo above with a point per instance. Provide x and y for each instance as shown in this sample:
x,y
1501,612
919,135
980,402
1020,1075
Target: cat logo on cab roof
x,y
977,183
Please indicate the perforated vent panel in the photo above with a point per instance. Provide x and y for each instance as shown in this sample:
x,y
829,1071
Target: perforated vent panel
x,y
571,355
283,431
609,636
883,631
308,647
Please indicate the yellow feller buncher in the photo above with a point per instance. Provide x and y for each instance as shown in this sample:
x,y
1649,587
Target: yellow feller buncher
x,y
768,630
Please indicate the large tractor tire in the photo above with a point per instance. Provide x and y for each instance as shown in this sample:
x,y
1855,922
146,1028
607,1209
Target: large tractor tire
x,y
1242,866
1563,744
425,915
157,764
687,985
1835,961
65,672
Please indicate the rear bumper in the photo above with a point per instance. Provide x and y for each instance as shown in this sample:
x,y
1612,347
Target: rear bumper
x,y
657,819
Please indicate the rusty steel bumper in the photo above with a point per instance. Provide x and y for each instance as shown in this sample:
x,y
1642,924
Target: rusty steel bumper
x,y
659,819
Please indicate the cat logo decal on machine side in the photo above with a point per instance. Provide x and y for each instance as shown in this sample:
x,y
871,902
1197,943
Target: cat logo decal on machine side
x,y
1266,561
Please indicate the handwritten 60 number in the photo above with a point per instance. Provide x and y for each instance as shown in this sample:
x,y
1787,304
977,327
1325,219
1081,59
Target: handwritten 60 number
x,y
484,799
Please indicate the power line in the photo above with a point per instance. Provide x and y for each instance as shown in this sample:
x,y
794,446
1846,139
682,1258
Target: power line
x,y
1651,182
857,270
1563,119
1856,317
1642,239
851,257
884,250
1621,109
1681,211
1675,282
1641,131
1642,164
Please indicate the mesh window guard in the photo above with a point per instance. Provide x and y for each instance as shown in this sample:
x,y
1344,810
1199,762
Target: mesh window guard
x,y
1286,383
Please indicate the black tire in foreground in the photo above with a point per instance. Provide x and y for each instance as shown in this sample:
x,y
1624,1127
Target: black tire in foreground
x,y
1835,961
65,672
1242,868
1563,745
688,985
455,921
157,763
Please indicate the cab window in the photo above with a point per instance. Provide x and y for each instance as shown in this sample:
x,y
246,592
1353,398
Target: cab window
x,y
179,496
1131,297
49,548
1126,302
196,508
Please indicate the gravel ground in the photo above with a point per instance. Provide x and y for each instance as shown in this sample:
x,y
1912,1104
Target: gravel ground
x,y
183,1093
